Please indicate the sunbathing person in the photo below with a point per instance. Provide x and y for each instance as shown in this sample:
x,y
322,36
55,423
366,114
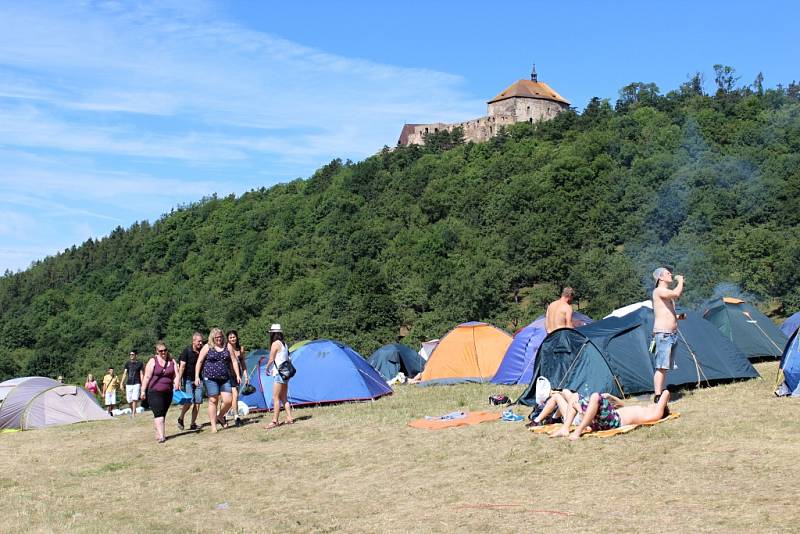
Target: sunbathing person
x,y
554,408
603,411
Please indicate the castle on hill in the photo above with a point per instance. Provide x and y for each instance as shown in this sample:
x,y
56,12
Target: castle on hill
x,y
523,101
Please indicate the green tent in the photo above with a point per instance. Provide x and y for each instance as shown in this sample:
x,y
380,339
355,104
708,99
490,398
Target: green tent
x,y
746,327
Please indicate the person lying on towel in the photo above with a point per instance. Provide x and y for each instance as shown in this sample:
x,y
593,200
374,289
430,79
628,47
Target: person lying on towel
x,y
602,411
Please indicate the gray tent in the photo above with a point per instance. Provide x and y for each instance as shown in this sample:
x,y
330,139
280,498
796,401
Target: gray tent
x,y
37,402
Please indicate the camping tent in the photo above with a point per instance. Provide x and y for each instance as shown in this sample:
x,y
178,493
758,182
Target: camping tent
x,y
748,328
470,352
427,348
38,402
612,356
625,310
396,358
790,364
327,371
791,325
518,361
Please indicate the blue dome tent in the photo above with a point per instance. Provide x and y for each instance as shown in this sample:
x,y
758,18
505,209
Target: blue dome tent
x,y
518,362
327,371
791,324
395,358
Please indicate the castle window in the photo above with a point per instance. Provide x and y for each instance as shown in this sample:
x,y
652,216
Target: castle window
x,y
436,130
426,130
530,121
529,110
490,129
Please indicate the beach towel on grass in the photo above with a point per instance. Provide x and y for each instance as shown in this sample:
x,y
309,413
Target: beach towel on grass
x,y
470,418
605,433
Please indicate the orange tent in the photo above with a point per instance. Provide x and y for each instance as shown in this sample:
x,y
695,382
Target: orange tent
x,y
471,352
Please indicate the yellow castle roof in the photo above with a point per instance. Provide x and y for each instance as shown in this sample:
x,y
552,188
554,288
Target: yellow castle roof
x,y
530,89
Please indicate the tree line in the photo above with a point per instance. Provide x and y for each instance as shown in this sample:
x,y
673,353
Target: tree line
x,y
413,240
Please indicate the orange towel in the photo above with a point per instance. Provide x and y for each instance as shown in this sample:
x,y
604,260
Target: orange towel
x,y
472,418
605,433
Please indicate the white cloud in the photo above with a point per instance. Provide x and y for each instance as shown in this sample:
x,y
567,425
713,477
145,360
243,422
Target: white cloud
x,y
111,110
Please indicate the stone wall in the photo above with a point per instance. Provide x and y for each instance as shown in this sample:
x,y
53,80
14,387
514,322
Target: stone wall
x,y
502,113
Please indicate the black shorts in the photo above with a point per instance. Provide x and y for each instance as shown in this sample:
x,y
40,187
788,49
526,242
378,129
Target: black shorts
x,y
159,402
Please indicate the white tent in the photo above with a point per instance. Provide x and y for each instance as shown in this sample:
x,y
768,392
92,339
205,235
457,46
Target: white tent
x,y
625,310
38,402
427,348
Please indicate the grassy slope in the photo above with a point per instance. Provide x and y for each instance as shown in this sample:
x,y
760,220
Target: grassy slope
x,y
726,464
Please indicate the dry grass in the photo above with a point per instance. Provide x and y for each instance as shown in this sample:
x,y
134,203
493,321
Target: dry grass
x,y
726,465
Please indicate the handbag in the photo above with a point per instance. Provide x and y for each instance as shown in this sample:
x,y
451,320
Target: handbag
x,y
287,370
248,389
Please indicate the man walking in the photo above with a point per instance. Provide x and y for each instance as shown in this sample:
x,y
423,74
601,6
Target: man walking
x,y
559,312
665,325
134,371
110,385
186,373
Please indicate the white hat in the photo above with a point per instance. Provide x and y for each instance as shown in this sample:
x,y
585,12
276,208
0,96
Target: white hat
x,y
276,327
542,389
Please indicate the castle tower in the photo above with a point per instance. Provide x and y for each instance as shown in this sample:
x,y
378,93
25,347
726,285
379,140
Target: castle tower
x,y
522,101
528,101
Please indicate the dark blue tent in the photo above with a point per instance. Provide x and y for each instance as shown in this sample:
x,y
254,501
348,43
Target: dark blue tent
x,y
518,362
396,358
746,327
327,371
790,362
612,356
791,325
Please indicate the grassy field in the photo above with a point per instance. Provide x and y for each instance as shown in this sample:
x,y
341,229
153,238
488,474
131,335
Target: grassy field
x,y
727,464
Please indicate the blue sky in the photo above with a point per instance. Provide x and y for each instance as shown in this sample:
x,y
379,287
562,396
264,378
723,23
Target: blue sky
x,y
113,112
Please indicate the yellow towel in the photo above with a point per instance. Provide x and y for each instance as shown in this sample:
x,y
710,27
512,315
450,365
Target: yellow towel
x,y
605,433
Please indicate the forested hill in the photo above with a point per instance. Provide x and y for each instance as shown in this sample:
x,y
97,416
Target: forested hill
x,y
414,240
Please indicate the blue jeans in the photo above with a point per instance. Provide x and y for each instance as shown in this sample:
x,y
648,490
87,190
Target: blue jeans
x,y
665,349
215,387
195,391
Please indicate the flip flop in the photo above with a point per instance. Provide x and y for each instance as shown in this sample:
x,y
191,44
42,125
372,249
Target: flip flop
x,y
289,422
271,425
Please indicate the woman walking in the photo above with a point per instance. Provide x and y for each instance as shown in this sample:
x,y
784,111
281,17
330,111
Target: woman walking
x,y
237,352
161,380
214,363
91,385
278,353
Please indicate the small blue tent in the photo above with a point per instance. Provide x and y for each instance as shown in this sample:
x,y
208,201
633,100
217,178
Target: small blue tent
x,y
396,358
518,362
791,324
327,371
790,363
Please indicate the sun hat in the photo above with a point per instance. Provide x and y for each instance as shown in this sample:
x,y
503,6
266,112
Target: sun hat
x,y
542,389
276,327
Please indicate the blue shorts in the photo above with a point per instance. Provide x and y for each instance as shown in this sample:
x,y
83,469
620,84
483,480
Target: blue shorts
x,y
215,387
278,380
665,349
196,392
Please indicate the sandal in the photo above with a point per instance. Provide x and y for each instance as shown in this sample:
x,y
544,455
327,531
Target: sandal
x,y
222,422
272,425
289,422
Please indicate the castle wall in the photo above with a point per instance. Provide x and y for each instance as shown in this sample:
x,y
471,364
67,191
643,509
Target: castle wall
x,y
502,113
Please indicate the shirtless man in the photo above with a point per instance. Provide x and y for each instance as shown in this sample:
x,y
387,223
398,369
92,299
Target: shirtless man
x,y
559,312
665,326
603,411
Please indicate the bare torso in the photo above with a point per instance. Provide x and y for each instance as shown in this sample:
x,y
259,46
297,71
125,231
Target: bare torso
x,y
559,315
664,311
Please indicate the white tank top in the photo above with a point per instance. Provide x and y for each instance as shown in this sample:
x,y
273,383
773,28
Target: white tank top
x,y
280,357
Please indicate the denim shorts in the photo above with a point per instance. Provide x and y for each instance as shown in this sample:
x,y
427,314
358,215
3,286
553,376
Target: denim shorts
x,y
665,350
277,379
196,392
215,387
